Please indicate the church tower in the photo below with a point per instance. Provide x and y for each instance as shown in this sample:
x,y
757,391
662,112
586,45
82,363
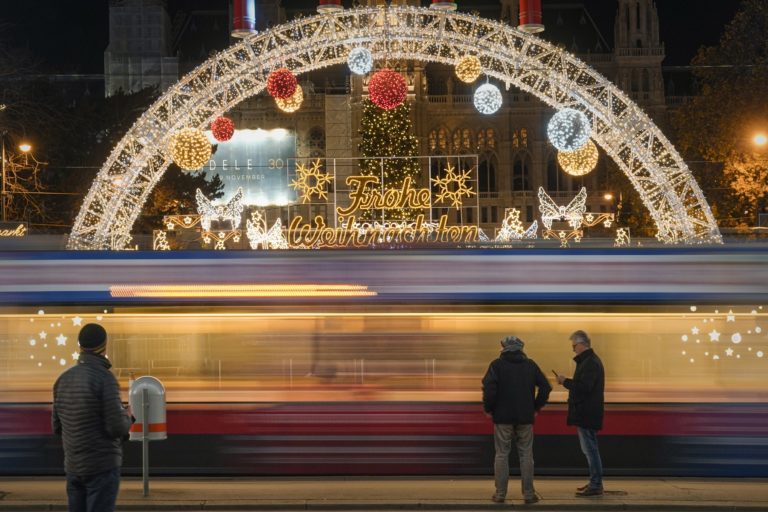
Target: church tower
x,y
639,53
510,12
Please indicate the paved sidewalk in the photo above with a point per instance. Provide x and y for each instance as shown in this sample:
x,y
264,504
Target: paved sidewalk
x,y
402,493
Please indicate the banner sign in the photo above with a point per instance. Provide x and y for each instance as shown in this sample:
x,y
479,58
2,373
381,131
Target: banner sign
x,y
13,229
259,161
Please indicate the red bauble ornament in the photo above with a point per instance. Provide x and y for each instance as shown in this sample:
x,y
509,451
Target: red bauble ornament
x,y
281,83
223,128
387,89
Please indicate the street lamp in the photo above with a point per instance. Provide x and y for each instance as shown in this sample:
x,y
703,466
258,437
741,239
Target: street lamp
x,y
25,148
760,139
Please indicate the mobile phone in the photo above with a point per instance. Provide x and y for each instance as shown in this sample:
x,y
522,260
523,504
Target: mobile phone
x,y
556,375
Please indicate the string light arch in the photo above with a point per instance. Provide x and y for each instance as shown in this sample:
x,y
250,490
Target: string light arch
x,y
509,56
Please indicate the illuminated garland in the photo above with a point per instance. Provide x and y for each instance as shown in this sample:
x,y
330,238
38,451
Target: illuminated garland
x,y
488,99
569,129
360,61
468,69
281,84
222,128
628,135
387,89
579,162
190,149
293,103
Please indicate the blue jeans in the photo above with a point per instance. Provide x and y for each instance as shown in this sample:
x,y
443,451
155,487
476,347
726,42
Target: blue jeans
x,y
93,493
588,442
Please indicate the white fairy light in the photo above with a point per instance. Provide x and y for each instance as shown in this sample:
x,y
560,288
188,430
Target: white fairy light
x,y
488,99
360,61
569,129
136,164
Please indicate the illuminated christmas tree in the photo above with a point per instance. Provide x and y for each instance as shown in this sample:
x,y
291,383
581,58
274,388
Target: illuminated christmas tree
x,y
389,133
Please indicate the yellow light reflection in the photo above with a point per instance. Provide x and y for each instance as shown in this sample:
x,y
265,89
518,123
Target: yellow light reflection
x,y
241,291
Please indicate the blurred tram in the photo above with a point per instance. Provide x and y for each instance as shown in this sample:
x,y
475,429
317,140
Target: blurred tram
x,y
369,362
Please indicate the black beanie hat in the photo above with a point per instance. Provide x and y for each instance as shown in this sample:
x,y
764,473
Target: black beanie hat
x,y
92,336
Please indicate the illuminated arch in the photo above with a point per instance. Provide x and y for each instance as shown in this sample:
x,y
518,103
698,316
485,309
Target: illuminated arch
x,y
533,65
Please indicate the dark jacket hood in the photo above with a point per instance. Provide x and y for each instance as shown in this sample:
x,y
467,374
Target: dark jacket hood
x,y
517,357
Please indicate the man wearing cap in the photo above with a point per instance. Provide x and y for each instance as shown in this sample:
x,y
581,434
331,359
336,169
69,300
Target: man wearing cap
x,y
510,398
91,419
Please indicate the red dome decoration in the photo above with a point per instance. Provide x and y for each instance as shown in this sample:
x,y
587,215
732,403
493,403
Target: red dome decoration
x,y
387,89
281,83
223,128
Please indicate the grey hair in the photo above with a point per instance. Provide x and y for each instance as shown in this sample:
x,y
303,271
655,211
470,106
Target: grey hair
x,y
581,337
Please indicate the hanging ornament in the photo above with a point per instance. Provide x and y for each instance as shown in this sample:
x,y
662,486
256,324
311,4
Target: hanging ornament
x,y
190,149
387,89
222,128
281,83
569,129
360,61
579,162
293,103
488,99
468,69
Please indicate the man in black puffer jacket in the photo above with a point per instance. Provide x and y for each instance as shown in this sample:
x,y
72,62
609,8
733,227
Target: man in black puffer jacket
x,y
586,392
91,419
508,397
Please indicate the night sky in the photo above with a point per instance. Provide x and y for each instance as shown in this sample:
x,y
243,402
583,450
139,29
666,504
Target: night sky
x,y
69,36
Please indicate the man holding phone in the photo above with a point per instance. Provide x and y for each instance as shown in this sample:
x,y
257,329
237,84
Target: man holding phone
x,y
586,407
509,386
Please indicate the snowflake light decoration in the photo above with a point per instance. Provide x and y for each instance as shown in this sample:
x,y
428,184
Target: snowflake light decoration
x,y
360,61
569,129
232,211
453,186
311,181
488,99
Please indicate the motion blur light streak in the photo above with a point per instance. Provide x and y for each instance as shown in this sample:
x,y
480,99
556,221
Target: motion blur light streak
x,y
267,290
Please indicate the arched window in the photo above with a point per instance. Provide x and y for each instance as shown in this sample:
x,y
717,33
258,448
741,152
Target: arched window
x,y
521,171
481,139
486,174
635,81
638,16
442,140
456,146
490,138
628,21
432,141
466,139
553,174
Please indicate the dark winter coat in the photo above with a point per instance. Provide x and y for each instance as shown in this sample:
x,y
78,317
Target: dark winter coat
x,y
509,386
586,391
89,416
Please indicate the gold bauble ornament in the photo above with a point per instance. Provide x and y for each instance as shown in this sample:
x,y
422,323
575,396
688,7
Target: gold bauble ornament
x,y
468,69
579,162
293,103
190,149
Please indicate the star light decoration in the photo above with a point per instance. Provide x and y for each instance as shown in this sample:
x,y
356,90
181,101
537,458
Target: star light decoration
x,y
360,61
260,236
488,99
725,337
579,162
387,89
468,69
232,211
293,103
50,356
665,183
190,149
311,181
512,228
453,186
569,129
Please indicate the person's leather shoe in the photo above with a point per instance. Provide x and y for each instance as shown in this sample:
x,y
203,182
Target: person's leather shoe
x,y
590,492
497,499
531,501
583,487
